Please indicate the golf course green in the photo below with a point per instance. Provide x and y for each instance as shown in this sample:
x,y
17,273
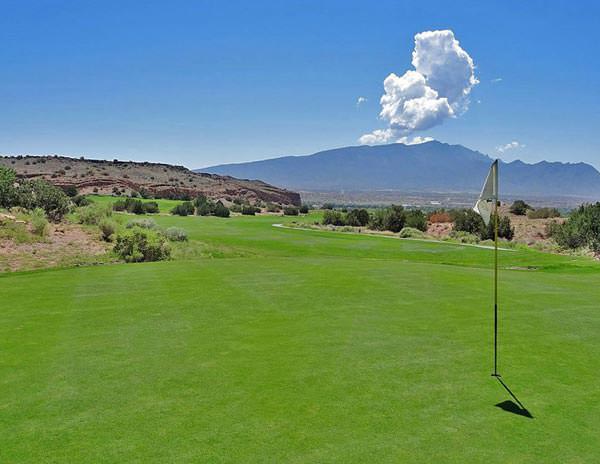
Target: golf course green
x,y
267,344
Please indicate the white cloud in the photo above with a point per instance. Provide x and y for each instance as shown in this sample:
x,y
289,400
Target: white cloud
x,y
361,100
496,80
379,136
415,140
437,89
509,146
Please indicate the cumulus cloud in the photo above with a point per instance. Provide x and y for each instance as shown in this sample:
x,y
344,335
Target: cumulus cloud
x,y
437,89
509,146
361,100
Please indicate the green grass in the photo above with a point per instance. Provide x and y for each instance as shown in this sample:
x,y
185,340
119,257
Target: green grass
x,y
300,346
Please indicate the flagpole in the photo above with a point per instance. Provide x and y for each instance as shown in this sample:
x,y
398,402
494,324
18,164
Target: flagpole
x,y
495,374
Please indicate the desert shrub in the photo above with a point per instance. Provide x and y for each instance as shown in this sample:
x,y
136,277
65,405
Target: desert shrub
x,y
416,219
200,200
463,237
8,178
176,234
290,211
519,207
93,214
235,208
411,232
143,223
357,217
333,218
107,227
581,229
439,216
135,206
151,207
221,210
80,200
303,209
39,223
328,206
273,208
119,205
505,230
183,209
467,220
38,193
543,213
249,210
392,219
206,209
137,245
70,190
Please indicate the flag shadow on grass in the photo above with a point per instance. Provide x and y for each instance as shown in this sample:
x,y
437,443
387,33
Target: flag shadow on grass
x,y
515,407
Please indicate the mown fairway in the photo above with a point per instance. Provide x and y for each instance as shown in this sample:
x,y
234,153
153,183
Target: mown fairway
x,y
300,346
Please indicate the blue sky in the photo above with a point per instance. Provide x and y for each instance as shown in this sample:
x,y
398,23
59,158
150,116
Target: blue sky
x,y
200,83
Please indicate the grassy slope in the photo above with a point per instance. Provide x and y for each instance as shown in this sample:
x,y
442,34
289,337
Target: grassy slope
x,y
311,347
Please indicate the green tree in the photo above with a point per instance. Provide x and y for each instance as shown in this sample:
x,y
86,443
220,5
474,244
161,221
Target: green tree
x,y
8,178
416,219
221,210
358,217
519,207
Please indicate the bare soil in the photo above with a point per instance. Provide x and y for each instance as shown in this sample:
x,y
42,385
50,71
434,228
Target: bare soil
x,y
65,244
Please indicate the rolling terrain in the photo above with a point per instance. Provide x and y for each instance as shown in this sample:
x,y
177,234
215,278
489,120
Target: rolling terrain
x,y
300,346
99,176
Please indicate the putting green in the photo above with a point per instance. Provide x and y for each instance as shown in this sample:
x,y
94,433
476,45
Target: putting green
x,y
300,346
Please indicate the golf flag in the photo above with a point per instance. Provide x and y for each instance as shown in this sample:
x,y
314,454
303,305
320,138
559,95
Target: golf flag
x,y
485,206
489,195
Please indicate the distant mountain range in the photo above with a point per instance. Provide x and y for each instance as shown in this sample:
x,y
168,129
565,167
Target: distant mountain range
x,y
427,167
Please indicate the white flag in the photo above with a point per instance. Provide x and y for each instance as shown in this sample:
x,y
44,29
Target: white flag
x,y
489,195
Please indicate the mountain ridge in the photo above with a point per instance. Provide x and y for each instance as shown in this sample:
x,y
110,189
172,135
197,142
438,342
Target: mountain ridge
x,y
430,166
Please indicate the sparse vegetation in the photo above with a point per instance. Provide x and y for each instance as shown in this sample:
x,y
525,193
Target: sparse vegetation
x,y
520,208
137,245
176,234
543,213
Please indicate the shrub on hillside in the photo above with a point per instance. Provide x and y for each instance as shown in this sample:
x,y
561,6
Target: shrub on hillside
x,y
70,190
290,211
467,220
183,209
38,193
176,234
249,210
143,223
505,230
411,232
543,213
416,219
137,245
221,210
333,218
8,177
39,223
108,228
581,229
519,207
303,209
93,214
151,207
328,206
358,217
235,208
273,208
80,200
